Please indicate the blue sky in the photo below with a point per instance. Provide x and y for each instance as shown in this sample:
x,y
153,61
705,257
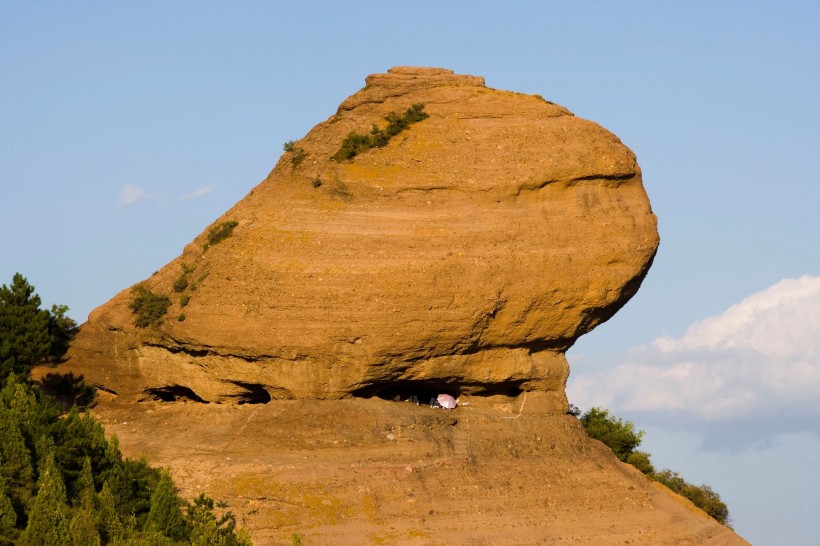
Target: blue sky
x,y
126,128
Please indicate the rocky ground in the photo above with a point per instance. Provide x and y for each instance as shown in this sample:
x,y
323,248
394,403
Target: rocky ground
x,y
371,471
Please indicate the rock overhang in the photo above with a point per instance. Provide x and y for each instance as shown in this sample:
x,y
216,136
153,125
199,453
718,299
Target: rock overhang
x,y
470,250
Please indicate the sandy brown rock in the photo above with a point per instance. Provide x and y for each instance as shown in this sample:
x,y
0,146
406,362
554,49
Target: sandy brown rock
x,y
357,472
466,255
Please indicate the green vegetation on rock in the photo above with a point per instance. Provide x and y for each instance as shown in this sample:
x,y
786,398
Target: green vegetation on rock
x,y
622,438
356,143
148,308
220,232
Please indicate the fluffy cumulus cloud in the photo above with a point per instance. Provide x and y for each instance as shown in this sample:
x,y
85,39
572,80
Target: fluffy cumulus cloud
x,y
131,194
756,362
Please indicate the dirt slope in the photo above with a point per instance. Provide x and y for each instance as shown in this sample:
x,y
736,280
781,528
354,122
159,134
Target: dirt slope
x,y
380,472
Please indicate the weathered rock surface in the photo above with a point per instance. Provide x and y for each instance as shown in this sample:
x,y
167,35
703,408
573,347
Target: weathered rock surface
x,y
465,255
356,472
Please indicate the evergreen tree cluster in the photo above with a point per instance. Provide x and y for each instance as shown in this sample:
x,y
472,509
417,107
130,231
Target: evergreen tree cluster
x,y
30,336
622,438
63,483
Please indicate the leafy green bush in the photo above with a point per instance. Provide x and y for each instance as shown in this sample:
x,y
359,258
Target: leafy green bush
x,y
640,460
317,183
701,496
148,308
621,437
184,300
220,232
355,143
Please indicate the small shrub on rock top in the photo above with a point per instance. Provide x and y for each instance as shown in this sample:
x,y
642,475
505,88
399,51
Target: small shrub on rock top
x,y
148,308
356,143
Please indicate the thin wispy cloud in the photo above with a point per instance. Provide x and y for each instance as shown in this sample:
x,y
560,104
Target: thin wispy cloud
x,y
200,192
758,361
131,194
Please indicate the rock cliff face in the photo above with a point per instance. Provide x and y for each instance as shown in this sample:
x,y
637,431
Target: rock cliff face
x,y
466,254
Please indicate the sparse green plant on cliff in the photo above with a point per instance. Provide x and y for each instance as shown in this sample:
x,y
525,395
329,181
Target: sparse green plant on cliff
x,y
356,143
317,182
182,281
220,232
148,308
298,154
622,438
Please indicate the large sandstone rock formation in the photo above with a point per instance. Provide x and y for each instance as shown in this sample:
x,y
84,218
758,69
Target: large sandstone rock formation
x,y
468,254
465,255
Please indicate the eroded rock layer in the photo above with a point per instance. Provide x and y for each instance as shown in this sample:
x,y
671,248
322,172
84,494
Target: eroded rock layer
x,y
466,254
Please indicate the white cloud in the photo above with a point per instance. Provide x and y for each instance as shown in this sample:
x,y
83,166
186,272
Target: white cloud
x,y
757,361
131,194
200,192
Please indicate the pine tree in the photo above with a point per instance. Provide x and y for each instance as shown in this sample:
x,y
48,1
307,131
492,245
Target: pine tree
x,y
84,487
48,521
165,515
25,339
82,529
8,517
108,521
16,469
29,335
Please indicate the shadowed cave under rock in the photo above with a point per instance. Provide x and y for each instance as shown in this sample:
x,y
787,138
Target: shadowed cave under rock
x,y
253,393
424,390
400,390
